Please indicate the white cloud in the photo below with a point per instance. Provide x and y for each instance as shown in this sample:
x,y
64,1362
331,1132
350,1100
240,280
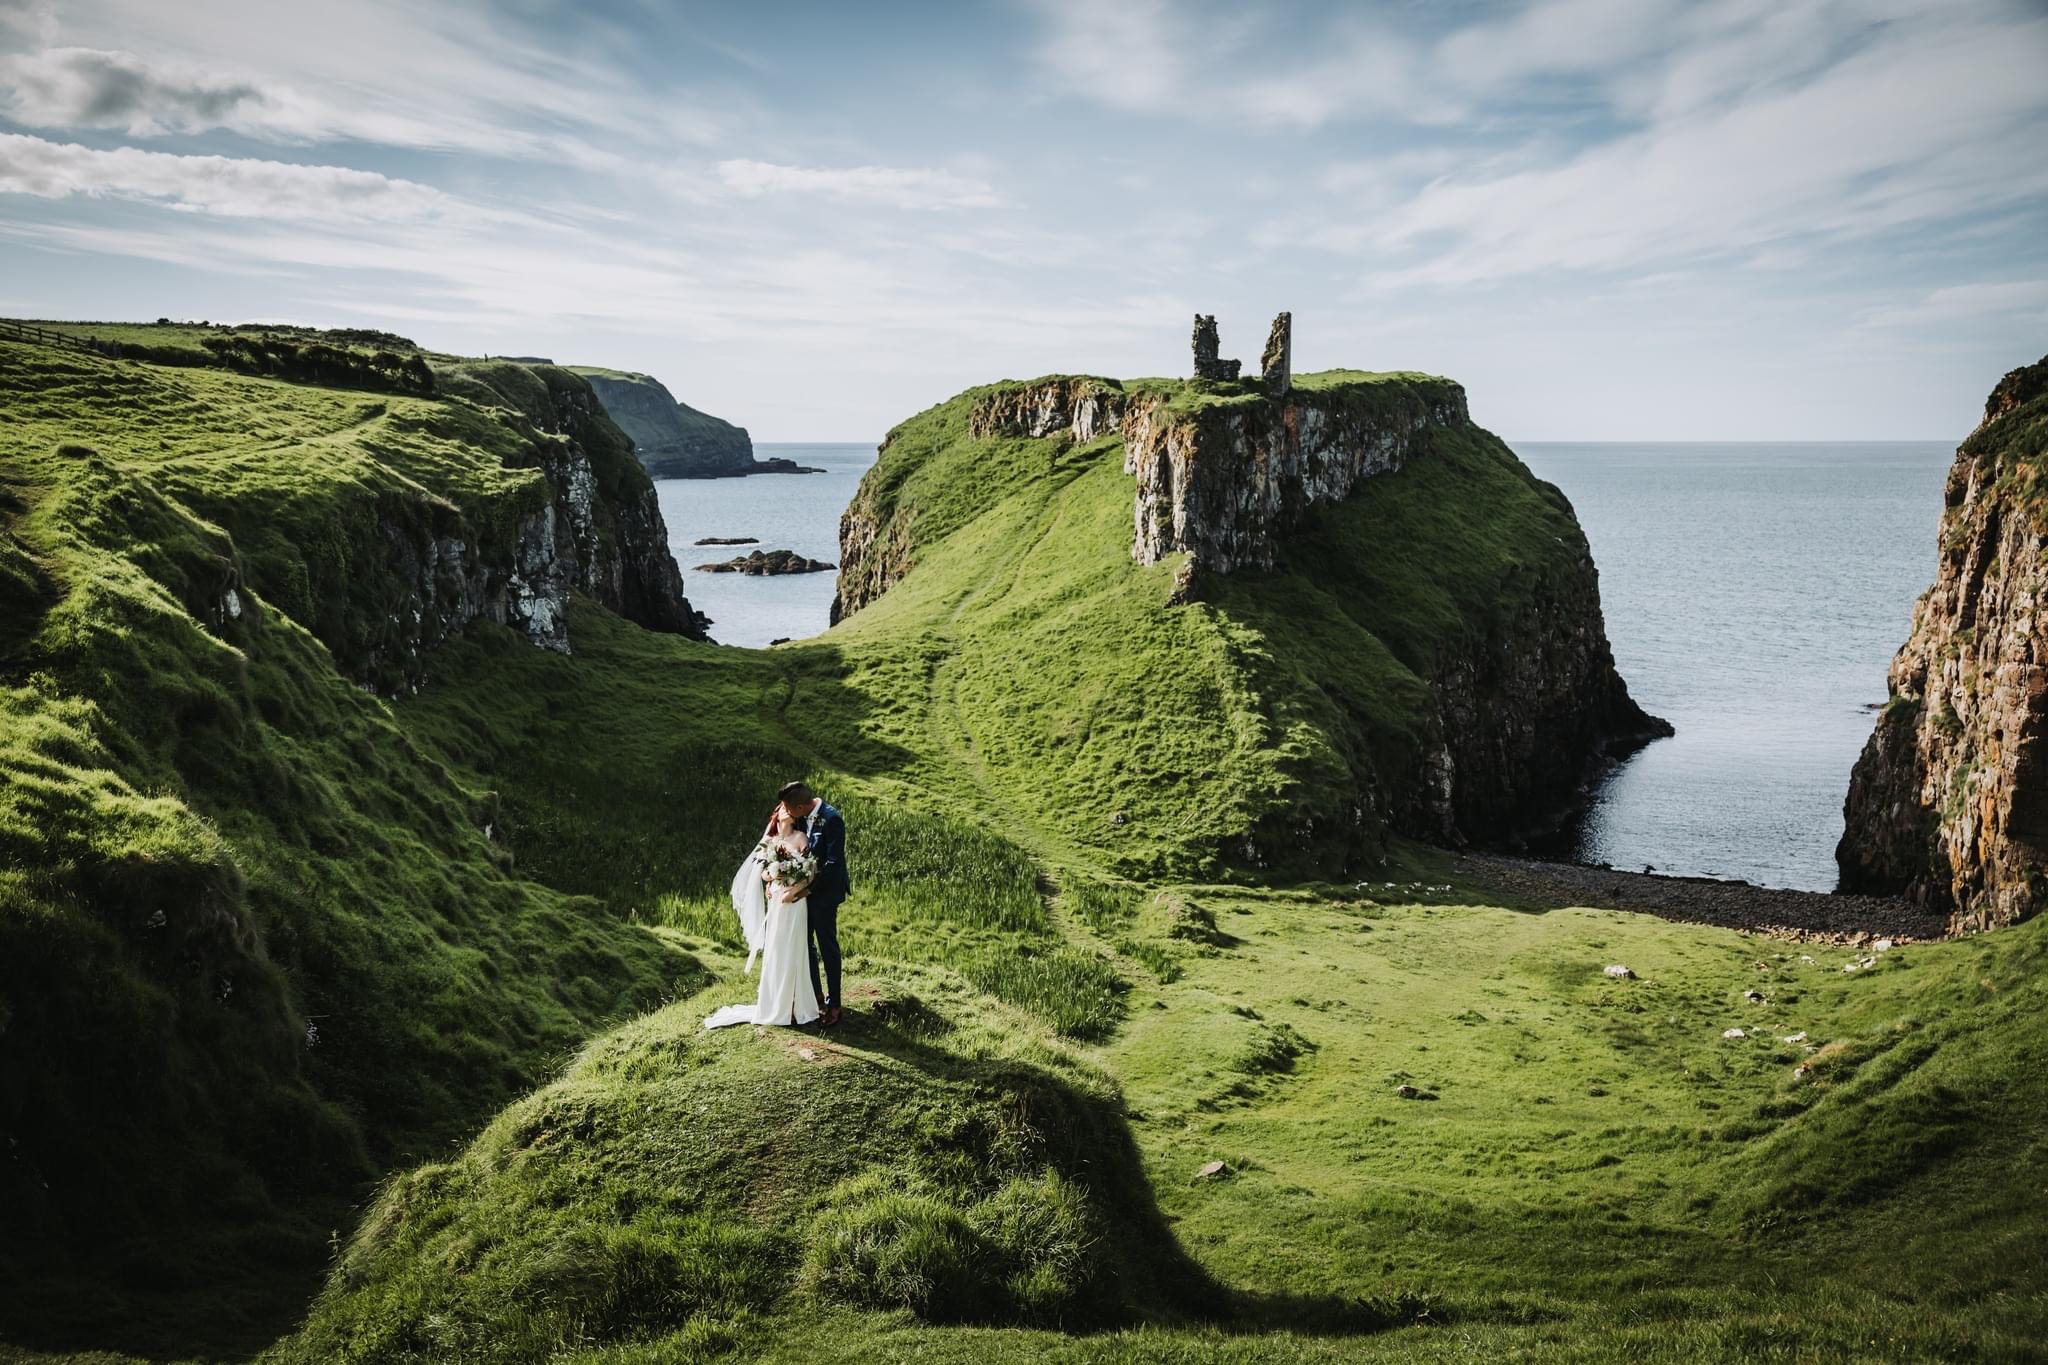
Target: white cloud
x,y
232,187
894,186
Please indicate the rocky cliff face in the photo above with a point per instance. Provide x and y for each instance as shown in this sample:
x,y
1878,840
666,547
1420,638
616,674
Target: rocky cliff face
x,y
673,440
591,524
1526,713
1081,406
1948,804
1223,482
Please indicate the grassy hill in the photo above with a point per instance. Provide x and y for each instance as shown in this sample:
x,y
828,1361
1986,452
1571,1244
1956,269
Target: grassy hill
x,y
509,886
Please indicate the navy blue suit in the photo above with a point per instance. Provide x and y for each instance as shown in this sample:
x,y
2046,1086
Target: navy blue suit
x,y
828,842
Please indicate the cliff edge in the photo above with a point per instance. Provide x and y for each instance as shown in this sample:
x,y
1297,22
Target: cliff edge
x,y
1948,804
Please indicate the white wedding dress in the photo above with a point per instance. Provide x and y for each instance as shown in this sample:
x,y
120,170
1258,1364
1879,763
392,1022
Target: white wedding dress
x,y
779,936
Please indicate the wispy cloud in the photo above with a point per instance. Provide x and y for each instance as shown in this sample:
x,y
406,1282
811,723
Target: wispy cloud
x,y
233,187
1926,125
896,186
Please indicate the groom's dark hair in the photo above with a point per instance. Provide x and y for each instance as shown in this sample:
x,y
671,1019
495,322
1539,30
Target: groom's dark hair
x,y
793,793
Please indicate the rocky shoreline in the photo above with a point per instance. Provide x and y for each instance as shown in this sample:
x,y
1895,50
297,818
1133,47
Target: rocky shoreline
x,y
1805,916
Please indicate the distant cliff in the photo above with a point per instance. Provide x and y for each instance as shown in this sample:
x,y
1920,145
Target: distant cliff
x,y
1949,802
1451,625
673,439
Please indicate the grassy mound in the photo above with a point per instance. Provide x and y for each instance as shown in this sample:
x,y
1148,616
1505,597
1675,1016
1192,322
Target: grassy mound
x,y
931,1159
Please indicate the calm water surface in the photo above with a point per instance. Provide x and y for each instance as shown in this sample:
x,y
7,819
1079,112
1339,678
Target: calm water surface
x,y
785,512
1754,595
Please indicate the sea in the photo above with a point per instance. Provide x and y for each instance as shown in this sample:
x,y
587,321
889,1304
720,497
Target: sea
x,y
1754,595
784,512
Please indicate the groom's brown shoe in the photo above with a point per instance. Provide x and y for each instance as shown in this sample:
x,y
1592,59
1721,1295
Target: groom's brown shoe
x,y
831,1019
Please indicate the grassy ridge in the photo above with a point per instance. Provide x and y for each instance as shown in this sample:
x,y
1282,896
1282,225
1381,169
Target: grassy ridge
x,y
254,940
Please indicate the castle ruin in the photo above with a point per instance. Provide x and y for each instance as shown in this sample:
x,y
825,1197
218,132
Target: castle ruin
x,y
1207,366
1276,365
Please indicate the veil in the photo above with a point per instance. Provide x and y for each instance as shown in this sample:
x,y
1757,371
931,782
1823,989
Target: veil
x,y
750,901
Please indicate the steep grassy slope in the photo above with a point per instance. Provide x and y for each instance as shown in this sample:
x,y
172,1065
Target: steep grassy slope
x,y
255,942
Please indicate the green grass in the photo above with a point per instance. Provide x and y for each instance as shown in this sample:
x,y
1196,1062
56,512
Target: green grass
x,y
211,838
1068,993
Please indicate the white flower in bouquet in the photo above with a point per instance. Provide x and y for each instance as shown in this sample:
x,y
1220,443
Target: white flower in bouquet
x,y
782,867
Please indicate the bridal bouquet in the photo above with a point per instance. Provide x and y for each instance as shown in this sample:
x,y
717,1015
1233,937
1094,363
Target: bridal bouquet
x,y
784,868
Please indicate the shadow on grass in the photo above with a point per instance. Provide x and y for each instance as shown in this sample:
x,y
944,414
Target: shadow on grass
x,y
1087,1138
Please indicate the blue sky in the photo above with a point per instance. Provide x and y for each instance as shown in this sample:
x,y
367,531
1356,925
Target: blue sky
x,y
1611,219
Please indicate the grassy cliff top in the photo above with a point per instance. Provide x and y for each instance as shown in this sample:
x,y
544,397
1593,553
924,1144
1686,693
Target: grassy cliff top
x,y
625,376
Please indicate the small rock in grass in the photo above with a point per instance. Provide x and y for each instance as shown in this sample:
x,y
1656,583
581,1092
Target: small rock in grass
x,y
1215,1170
1407,1092
1850,966
1801,1071
1798,1037
1883,945
1753,997
808,1054
1734,1033
1617,970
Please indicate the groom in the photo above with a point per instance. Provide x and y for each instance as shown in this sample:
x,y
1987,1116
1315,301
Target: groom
x,y
827,835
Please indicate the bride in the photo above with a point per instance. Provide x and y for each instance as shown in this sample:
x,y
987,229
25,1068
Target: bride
x,y
768,892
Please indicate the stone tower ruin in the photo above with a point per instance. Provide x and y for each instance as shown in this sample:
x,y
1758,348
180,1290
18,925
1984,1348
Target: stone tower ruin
x,y
1276,365
1207,366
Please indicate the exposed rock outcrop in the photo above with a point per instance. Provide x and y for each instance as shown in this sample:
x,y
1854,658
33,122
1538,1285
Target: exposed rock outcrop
x,y
875,549
875,546
762,563
1223,481
673,439
1948,804
1082,406
591,524
1526,714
